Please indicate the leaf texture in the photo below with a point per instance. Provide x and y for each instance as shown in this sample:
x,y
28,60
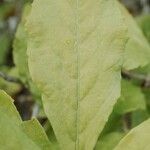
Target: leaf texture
x,y
16,134
136,139
75,50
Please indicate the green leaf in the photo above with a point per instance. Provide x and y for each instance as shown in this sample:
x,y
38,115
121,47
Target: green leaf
x,y
144,23
137,138
50,133
109,141
75,51
4,47
137,51
131,99
20,47
20,56
139,116
10,87
16,134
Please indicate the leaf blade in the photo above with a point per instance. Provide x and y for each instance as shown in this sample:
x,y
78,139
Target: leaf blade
x,y
68,92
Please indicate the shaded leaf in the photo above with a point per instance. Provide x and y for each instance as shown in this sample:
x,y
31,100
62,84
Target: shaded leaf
x,y
4,47
109,141
139,116
131,99
10,87
144,23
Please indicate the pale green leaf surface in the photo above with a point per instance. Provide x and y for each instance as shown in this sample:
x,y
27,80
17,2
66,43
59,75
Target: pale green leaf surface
x,y
137,51
15,134
137,139
131,99
109,141
75,50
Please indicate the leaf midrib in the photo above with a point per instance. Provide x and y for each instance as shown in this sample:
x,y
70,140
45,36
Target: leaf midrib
x,y
78,73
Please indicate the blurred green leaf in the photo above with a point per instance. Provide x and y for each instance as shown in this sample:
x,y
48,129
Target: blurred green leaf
x,y
137,51
20,56
131,99
144,23
4,47
9,87
109,141
138,117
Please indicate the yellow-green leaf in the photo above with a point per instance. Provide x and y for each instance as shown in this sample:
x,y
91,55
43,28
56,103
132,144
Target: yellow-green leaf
x,y
109,141
75,51
137,51
16,134
20,47
137,139
20,56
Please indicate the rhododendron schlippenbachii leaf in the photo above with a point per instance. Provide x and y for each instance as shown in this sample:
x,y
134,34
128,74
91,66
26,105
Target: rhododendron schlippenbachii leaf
x,y
75,50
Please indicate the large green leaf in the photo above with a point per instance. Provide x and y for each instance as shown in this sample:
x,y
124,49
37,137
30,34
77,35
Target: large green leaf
x,y
16,134
137,51
136,139
75,51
